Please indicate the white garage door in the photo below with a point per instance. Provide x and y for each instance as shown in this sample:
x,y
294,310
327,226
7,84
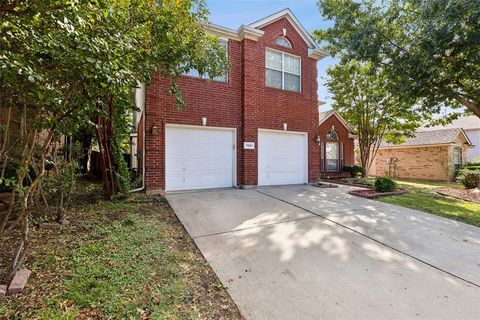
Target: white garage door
x,y
282,158
198,158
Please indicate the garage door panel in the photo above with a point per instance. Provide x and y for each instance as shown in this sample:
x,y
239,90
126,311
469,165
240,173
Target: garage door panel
x,y
282,158
198,158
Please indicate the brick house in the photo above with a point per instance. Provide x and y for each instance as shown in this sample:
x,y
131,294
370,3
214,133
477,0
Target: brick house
x,y
256,126
337,142
471,126
429,155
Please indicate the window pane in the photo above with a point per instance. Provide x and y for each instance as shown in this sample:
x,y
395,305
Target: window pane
x,y
193,73
273,78
292,82
331,150
281,41
332,165
457,159
292,64
274,60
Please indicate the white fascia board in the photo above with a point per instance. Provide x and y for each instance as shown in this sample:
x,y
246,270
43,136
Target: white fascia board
x,y
462,132
316,54
244,32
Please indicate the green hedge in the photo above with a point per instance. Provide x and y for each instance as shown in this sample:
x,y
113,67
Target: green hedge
x,y
472,167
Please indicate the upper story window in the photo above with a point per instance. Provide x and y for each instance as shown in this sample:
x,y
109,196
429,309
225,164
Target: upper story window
x,y
282,70
222,78
282,41
332,135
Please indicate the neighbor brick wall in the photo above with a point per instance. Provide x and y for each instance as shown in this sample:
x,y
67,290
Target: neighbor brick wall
x,y
428,163
342,131
244,103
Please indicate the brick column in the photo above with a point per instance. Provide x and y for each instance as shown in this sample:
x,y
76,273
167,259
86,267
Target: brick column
x,y
251,84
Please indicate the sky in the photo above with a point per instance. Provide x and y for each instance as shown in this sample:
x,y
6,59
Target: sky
x,y
234,13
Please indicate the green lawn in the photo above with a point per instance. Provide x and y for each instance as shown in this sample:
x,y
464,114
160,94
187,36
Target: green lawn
x,y
119,260
421,196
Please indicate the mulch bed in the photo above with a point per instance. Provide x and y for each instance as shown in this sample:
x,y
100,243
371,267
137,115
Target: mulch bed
x,y
372,194
472,195
349,184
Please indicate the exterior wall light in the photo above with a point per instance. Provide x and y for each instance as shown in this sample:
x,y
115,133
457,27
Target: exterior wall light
x,y
154,129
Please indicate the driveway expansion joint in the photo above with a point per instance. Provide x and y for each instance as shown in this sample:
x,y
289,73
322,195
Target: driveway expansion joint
x,y
254,227
370,238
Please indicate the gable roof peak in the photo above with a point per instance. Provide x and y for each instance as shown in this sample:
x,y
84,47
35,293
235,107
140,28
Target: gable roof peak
x,y
287,13
324,115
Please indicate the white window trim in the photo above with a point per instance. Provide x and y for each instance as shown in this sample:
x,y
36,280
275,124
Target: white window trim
x,y
283,69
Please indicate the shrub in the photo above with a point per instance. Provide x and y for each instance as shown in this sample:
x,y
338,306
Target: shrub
x,y
354,170
474,162
471,167
385,184
469,178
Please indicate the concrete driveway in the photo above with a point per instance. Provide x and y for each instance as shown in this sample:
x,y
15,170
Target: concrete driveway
x,y
300,252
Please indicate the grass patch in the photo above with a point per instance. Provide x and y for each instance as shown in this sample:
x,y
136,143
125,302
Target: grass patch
x,y
421,196
119,260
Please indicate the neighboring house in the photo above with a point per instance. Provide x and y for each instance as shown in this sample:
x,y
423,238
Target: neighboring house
x,y
430,155
471,125
337,140
256,126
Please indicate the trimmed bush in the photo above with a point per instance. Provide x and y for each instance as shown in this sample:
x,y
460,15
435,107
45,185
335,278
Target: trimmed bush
x,y
474,162
469,178
471,167
354,170
385,184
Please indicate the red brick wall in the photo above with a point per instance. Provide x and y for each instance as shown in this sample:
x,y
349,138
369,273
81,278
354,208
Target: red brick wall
x,y
348,144
243,103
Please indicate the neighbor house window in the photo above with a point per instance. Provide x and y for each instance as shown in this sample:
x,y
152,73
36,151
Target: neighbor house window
x,y
457,158
282,71
222,78
282,41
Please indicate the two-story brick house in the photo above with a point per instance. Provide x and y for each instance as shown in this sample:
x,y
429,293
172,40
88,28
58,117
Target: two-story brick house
x,y
256,126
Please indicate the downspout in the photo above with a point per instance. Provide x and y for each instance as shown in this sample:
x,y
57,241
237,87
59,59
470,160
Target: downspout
x,y
142,87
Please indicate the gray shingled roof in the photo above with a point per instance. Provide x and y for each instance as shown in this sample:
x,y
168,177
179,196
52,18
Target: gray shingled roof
x,y
440,136
467,123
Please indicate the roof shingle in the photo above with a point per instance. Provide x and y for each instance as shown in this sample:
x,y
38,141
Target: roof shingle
x,y
439,136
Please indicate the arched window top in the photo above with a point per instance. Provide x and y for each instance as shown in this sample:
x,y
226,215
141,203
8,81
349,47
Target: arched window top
x,y
282,41
332,135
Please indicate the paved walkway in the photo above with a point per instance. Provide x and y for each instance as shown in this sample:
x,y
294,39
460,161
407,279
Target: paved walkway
x,y
300,252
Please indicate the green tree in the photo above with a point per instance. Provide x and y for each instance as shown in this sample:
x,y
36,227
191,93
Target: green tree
x,y
69,64
428,49
363,99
